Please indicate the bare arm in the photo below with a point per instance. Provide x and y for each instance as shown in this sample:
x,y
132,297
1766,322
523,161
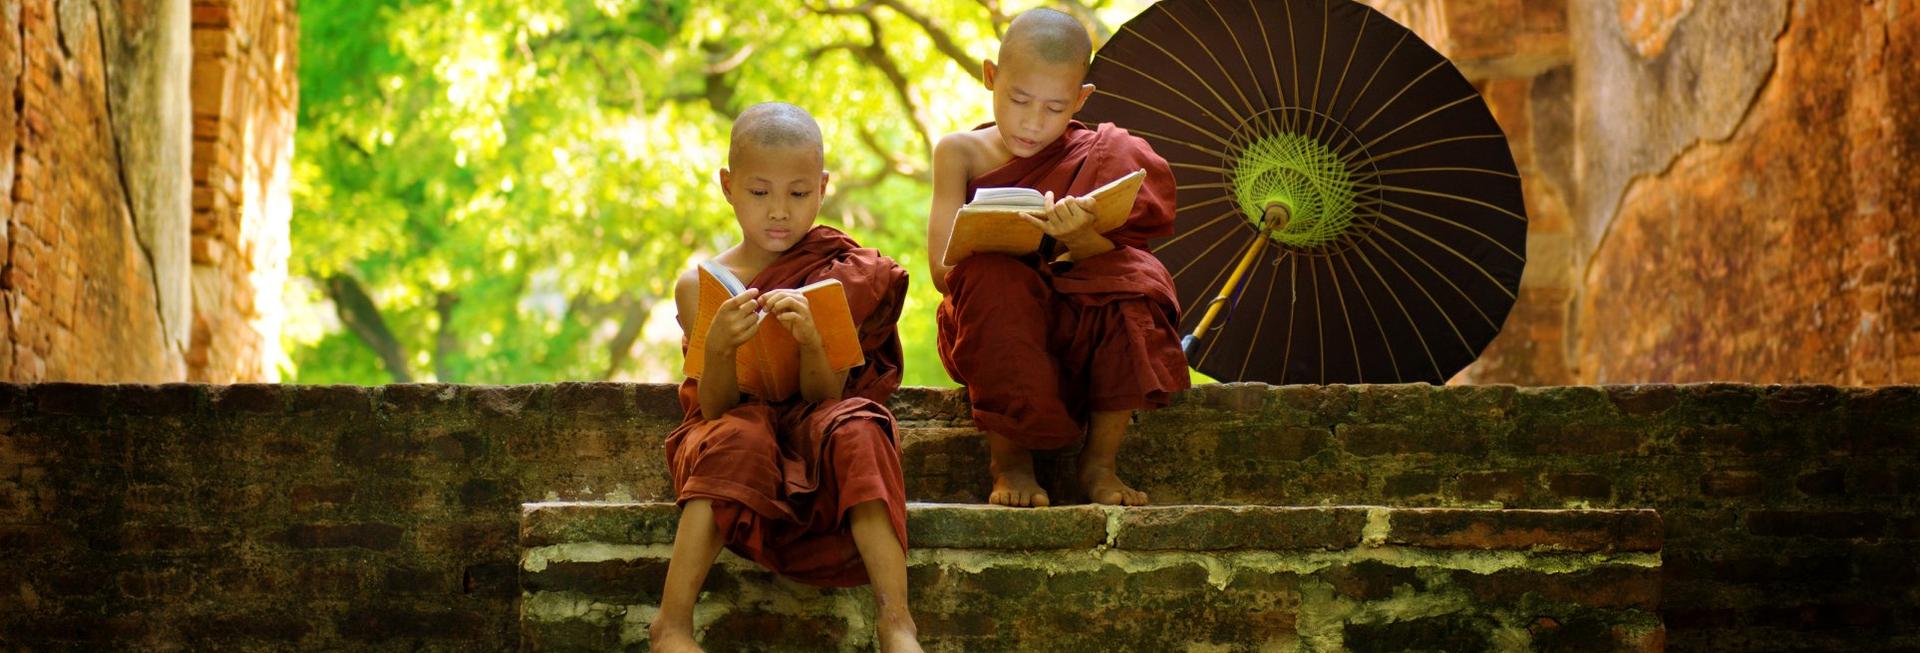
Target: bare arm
x,y
950,173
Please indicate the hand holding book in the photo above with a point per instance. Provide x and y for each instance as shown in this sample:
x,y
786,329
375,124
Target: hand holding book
x,y
735,322
1063,218
795,315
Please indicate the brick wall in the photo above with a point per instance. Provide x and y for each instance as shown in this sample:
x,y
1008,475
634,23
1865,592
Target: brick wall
x,y
262,517
1716,187
114,266
245,95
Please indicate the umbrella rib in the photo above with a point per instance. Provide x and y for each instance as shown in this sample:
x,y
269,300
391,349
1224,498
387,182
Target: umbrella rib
x,y
1196,205
1451,196
1216,60
1209,291
1375,160
1423,116
1353,341
1490,171
1261,324
1430,298
1203,253
1195,146
1196,76
1293,52
1319,71
1377,324
1157,110
1319,318
1344,115
1280,94
1396,96
1251,75
1403,308
1443,277
1201,167
1456,253
1196,103
1188,232
1496,242
1349,65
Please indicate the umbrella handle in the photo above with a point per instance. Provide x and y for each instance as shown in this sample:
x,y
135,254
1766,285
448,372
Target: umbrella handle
x,y
1226,292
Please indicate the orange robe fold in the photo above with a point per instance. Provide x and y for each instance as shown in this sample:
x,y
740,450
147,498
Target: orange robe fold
x,y
1041,346
782,476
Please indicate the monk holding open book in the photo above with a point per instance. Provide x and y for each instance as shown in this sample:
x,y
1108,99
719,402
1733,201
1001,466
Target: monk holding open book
x,y
787,455
1069,339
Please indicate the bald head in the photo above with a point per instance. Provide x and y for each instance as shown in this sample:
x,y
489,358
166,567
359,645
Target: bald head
x,y
1049,36
773,125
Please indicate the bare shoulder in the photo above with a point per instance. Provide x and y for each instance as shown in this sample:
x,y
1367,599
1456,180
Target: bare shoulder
x,y
686,295
956,155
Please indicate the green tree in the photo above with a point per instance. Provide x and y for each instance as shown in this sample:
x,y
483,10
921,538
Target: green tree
x,y
502,191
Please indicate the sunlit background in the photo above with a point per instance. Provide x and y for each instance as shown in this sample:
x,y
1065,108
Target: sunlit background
x,y
498,191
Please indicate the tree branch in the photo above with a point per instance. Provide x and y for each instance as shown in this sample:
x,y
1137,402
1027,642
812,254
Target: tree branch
x,y
942,39
634,311
447,342
1085,13
359,313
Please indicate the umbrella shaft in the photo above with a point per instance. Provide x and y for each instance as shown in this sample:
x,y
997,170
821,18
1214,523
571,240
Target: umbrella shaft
x,y
1226,292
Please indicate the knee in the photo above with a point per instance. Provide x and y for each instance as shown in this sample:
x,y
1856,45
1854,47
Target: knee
x,y
859,442
994,273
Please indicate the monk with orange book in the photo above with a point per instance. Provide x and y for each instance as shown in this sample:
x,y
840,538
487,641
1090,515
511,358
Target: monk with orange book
x,y
1070,341
808,486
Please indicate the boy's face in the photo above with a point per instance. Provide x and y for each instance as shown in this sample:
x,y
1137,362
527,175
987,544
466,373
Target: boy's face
x,y
775,193
1033,100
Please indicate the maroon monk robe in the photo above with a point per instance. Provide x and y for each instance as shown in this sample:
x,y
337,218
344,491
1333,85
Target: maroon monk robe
x,y
782,476
1041,346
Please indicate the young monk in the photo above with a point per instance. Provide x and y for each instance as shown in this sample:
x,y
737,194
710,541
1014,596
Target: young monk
x,y
809,487
1074,340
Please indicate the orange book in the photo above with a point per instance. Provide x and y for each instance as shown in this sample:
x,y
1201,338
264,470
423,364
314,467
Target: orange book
x,y
768,365
992,222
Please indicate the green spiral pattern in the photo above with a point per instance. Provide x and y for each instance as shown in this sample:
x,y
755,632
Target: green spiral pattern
x,y
1301,174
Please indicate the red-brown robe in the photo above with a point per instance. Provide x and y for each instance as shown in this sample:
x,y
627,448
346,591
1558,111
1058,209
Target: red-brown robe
x,y
782,476
1041,346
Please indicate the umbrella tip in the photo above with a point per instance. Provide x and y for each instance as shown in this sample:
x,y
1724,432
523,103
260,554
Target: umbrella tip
x,y
1277,216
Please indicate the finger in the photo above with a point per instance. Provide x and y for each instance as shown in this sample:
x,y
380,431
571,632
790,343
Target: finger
x,y
1036,222
1049,204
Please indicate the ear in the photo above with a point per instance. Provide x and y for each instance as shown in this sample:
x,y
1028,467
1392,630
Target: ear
x,y
726,184
823,183
988,71
1086,91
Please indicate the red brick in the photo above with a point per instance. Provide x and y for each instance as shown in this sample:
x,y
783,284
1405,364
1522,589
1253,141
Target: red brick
x,y
1492,486
1580,486
1733,484
1818,524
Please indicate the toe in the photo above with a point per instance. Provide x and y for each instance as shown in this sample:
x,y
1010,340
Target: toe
x,y
1040,500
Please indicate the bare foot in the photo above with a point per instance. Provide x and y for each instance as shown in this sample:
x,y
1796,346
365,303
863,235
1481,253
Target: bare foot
x,y
1102,486
671,640
1013,481
898,635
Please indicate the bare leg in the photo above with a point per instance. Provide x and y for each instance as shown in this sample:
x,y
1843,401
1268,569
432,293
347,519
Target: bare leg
x,y
696,542
886,566
1097,461
1012,468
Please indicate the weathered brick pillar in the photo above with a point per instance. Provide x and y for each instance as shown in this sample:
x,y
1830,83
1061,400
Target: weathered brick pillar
x,y
245,95
144,151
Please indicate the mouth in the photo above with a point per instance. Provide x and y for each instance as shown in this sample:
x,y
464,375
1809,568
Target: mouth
x,y
1026,143
778,233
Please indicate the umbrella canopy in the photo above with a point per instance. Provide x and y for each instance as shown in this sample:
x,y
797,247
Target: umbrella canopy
x,y
1349,210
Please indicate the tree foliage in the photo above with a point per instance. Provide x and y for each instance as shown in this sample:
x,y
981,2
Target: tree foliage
x,y
502,191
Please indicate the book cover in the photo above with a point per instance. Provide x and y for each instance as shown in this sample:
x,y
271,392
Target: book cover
x,y
768,365
991,222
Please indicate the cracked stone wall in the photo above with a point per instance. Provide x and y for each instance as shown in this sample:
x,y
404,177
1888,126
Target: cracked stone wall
x,y
111,265
1718,189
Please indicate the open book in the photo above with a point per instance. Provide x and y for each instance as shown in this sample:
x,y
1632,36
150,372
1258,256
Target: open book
x,y
992,222
768,365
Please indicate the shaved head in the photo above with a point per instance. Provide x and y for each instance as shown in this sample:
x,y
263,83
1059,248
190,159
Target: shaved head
x,y
773,125
1049,36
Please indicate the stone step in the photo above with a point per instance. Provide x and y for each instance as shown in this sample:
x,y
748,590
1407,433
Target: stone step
x,y
1163,578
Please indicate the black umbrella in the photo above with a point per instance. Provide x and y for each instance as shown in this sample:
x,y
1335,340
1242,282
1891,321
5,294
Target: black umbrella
x,y
1349,210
